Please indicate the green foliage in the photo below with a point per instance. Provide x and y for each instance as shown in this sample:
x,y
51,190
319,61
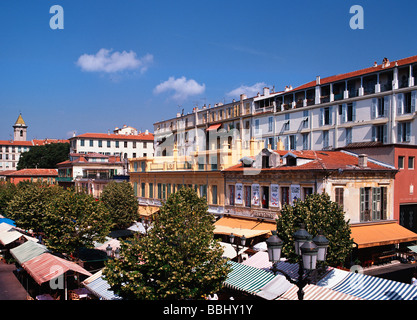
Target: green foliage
x,y
7,192
317,212
75,220
46,156
178,258
120,200
28,206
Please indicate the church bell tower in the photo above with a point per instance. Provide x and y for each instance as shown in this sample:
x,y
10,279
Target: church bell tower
x,y
20,129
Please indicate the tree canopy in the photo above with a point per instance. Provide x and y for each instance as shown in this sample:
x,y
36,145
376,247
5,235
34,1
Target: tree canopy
x,y
317,212
178,258
120,200
45,156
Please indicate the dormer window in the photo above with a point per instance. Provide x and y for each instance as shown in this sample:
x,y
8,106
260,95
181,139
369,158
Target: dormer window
x,y
291,161
265,162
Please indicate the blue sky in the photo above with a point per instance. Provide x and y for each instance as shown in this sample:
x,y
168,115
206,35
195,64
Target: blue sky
x,y
138,62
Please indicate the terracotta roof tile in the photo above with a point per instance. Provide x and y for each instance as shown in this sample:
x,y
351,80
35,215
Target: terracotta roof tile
x,y
139,137
34,172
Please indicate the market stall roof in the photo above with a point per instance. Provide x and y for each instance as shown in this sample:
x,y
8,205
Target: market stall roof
x,y
46,267
373,288
114,244
5,226
27,251
147,210
239,226
313,292
99,286
139,227
247,279
275,288
229,251
8,236
372,235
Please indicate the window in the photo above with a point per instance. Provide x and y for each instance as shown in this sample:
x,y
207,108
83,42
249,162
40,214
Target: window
x,y
285,195
348,132
125,144
257,126
325,139
406,102
270,124
143,189
305,118
307,191
150,190
117,144
135,188
134,144
265,197
373,203
379,133
347,112
91,143
326,116
290,142
134,155
214,194
232,195
248,196
287,122
380,107
339,196
82,142
403,131
144,145
410,162
305,141
100,143
401,162
203,191
108,143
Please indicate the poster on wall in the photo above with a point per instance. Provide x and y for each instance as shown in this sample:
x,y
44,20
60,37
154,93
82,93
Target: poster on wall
x,y
274,195
239,193
255,194
295,192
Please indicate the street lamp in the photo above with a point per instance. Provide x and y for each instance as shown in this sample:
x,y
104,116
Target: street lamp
x,y
109,250
308,251
237,247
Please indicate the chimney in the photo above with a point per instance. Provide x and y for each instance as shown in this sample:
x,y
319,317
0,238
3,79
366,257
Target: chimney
x,y
363,160
146,132
266,91
317,80
243,96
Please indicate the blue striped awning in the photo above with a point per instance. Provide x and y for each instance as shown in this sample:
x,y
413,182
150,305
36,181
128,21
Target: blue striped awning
x,y
375,288
246,278
100,287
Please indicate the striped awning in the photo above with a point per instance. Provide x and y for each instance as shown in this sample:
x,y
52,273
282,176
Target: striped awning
x,y
247,279
313,292
99,287
27,251
375,288
8,236
229,251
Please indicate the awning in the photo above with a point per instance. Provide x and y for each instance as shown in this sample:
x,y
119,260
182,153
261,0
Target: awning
x,y
27,251
247,227
8,236
147,210
374,288
247,279
139,227
46,267
313,292
275,288
373,235
214,127
99,287
229,251
413,248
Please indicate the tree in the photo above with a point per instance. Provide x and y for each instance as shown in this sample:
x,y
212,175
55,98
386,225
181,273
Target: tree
x,y
120,200
317,212
45,156
28,206
75,220
7,192
178,258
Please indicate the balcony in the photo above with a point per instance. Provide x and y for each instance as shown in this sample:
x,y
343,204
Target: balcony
x,y
64,179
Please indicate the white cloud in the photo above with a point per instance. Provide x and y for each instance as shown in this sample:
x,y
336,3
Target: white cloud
x,y
250,91
182,87
107,61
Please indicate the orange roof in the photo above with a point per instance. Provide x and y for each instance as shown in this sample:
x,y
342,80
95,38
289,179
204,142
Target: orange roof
x,y
33,172
138,137
321,160
357,73
380,234
15,143
37,142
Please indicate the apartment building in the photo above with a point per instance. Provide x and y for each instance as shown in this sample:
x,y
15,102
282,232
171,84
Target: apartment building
x,y
10,150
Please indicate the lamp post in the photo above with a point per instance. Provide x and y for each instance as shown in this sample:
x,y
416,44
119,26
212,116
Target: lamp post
x,y
308,251
237,247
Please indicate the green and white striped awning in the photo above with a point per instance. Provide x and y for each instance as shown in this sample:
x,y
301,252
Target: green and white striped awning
x,y
246,278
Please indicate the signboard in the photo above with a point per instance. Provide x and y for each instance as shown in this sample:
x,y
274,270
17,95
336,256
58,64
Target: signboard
x,y
255,194
295,192
239,193
274,195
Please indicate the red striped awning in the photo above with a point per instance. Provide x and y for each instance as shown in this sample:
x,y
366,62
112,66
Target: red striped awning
x,y
46,267
214,127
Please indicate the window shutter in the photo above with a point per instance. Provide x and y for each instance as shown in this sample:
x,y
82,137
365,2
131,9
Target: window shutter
x,y
400,103
362,204
407,131
344,107
330,115
373,108
413,101
321,116
386,105
374,133
354,111
384,129
399,132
